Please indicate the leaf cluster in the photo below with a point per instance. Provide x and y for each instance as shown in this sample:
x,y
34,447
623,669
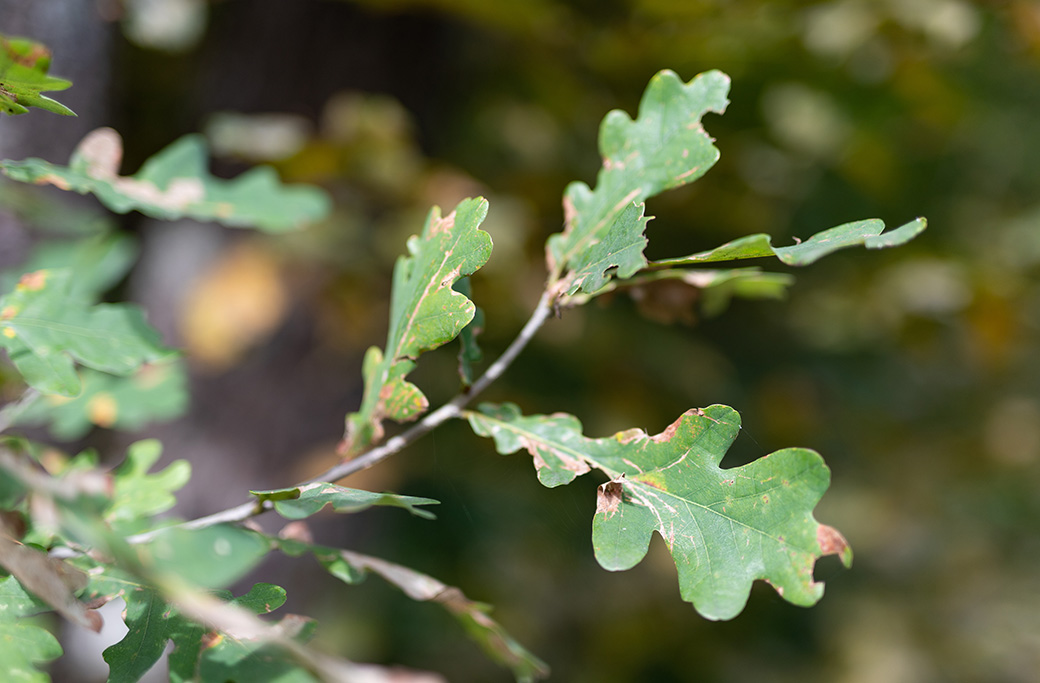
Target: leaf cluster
x,y
75,536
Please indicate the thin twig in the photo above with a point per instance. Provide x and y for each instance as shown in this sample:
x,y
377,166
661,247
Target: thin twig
x,y
10,412
395,444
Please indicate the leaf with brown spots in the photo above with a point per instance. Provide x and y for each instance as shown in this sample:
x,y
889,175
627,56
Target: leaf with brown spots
x,y
47,330
725,528
663,148
175,183
24,65
425,313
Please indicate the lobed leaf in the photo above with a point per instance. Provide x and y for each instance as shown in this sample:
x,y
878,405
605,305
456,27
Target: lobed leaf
x,y
725,528
24,65
868,233
154,392
425,313
663,148
175,183
23,647
299,502
138,495
45,330
152,623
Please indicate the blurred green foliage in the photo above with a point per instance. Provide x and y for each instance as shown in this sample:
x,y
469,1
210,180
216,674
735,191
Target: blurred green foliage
x,y
915,372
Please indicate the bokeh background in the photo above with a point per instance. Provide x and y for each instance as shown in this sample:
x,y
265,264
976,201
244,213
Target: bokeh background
x,y
914,371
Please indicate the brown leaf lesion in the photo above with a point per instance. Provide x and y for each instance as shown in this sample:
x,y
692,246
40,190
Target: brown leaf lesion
x,y
609,496
833,543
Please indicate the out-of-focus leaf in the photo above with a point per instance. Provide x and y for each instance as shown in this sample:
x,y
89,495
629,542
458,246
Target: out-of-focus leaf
x,y
724,527
44,330
139,495
672,294
212,557
299,502
156,392
152,623
665,147
49,579
351,568
869,233
97,263
23,647
24,65
175,183
425,312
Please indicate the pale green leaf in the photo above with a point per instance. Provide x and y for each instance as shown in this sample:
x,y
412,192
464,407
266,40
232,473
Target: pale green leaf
x,y
44,330
175,183
868,233
138,495
23,647
725,528
24,65
156,392
96,263
665,147
299,502
425,313
211,557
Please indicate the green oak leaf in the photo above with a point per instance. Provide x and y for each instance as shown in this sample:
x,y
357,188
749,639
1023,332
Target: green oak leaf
x,y
97,263
23,644
139,495
152,623
23,647
725,528
868,233
155,392
211,557
665,147
470,352
425,313
299,502
24,65
45,329
175,183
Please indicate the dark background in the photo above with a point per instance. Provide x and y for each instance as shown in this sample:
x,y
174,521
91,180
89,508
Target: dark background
x,y
913,371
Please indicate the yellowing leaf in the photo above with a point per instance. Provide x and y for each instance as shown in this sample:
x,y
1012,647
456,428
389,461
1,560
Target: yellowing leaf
x,y
425,312
45,329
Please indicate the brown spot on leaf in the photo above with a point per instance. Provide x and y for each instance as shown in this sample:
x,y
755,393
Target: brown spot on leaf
x,y
833,543
669,433
8,312
102,149
439,226
211,639
33,282
609,496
